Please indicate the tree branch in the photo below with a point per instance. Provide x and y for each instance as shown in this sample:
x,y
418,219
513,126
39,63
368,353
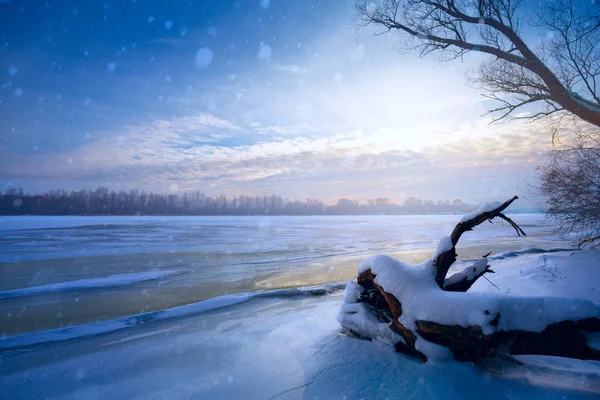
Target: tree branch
x,y
444,26
444,260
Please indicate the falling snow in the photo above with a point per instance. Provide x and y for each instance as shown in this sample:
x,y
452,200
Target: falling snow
x,y
204,57
264,53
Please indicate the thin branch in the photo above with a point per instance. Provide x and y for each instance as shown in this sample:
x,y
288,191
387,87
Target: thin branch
x,y
513,224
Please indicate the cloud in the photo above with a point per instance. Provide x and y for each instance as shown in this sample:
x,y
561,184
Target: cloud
x,y
143,144
472,162
291,130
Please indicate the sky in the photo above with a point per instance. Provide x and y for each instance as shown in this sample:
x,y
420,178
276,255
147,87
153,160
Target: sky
x,y
256,97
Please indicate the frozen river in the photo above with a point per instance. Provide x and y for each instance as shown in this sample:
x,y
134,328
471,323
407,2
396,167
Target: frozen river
x,y
252,238
60,271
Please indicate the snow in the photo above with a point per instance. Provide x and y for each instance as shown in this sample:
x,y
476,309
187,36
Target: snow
x,y
433,350
352,292
414,287
357,317
468,273
270,348
584,102
204,57
532,250
265,51
565,274
444,245
90,283
483,208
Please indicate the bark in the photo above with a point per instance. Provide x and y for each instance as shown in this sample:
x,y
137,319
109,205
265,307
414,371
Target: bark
x,y
562,339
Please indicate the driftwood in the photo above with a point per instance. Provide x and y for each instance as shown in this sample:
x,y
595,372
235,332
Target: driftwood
x,y
565,338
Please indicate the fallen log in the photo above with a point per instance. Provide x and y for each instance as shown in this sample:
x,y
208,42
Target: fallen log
x,y
422,313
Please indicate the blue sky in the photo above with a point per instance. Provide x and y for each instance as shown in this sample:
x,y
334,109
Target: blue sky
x,y
253,97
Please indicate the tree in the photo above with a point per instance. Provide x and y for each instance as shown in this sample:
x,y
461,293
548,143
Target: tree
x,y
571,185
562,73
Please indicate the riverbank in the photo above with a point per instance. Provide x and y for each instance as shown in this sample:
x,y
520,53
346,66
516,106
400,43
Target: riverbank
x,y
291,347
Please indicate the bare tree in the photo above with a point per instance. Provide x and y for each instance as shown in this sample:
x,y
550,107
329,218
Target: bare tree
x,y
562,72
571,185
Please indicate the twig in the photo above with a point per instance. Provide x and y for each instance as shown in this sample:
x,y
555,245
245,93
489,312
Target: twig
x,y
492,283
513,224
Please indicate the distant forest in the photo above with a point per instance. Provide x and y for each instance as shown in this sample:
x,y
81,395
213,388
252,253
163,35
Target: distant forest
x,y
102,201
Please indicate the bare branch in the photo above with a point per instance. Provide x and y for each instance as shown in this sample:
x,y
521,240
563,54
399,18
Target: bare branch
x,y
566,78
513,224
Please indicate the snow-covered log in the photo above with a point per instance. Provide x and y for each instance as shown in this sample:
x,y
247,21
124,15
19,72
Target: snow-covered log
x,y
419,311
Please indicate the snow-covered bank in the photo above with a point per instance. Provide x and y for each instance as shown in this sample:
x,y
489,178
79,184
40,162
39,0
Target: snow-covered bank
x,y
288,346
90,283
572,274
97,328
269,348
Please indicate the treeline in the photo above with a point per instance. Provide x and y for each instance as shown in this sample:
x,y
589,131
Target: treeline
x,y
102,201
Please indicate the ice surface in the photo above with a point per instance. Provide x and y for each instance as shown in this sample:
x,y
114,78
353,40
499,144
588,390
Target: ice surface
x,y
215,303
288,238
91,283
